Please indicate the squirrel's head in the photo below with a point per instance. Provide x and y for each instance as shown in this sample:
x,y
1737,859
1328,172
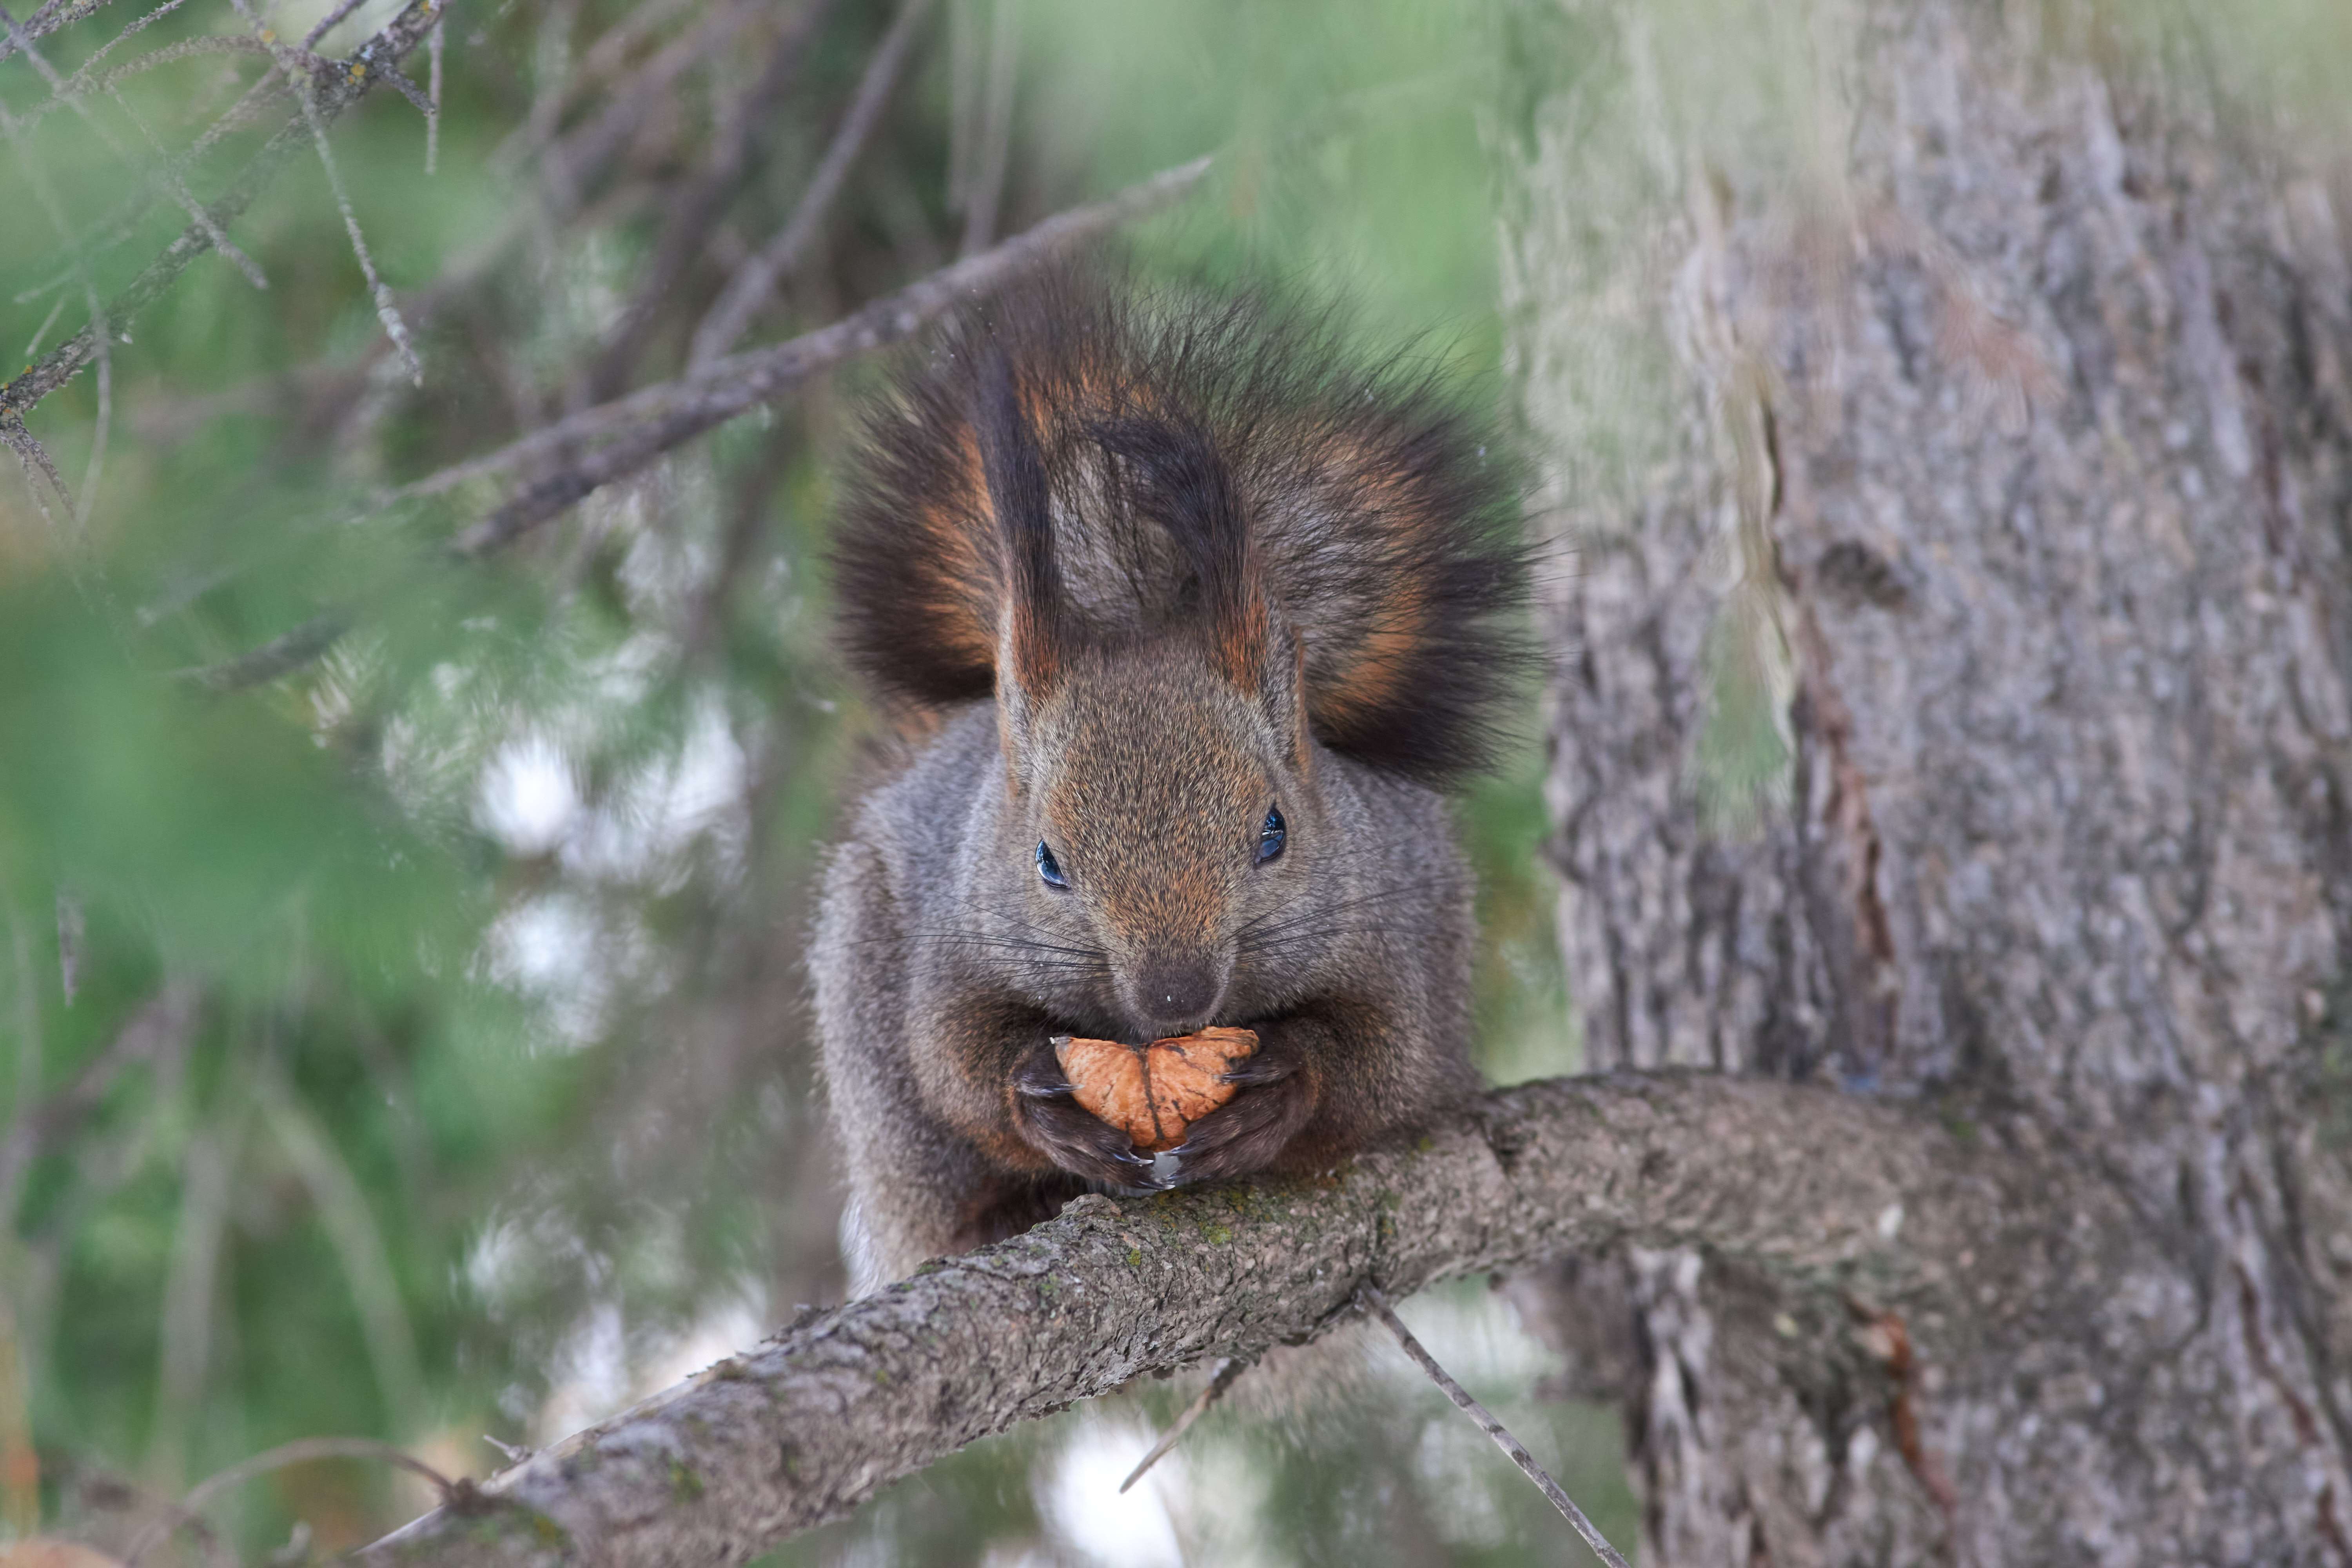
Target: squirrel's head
x,y
1161,778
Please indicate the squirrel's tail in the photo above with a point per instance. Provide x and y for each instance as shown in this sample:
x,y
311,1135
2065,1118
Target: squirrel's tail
x,y
1380,528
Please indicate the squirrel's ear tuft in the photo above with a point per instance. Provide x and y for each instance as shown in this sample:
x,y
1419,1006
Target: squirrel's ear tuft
x,y
1177,475
1033,619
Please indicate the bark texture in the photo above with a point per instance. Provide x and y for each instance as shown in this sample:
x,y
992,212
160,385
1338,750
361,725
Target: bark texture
x,y
1835,1197
1977,436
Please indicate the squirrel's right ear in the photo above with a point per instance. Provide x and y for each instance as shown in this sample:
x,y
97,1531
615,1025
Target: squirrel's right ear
x,y
1032,619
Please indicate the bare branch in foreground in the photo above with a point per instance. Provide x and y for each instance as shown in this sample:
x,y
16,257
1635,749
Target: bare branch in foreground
x,y
1495,1429
291,67
335,91
1824,1190
645,424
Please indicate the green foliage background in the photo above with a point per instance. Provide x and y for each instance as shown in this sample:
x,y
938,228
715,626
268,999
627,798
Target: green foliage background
x,y
457,970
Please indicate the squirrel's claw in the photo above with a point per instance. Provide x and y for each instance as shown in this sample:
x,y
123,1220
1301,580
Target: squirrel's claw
x,y
1247,1133
1261,1070
1053,1122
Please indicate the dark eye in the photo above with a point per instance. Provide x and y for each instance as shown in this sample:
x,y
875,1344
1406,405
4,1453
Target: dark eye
x,y
1270,835
1052,872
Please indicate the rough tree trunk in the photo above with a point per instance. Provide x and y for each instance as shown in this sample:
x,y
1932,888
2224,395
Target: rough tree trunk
x,y
1999,470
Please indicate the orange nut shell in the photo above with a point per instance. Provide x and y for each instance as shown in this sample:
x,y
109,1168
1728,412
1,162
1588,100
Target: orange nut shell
x,y
1152,1093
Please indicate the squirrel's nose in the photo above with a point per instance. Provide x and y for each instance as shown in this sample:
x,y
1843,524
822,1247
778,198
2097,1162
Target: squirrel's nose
x,y
1173,993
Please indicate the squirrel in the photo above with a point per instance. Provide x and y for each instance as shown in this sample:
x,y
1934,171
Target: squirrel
x,y
1186,622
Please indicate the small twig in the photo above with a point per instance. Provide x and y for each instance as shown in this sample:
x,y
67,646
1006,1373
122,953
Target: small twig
x,y
735,147
43,329
1492,1428
1228,1370
141,26
416,96
644,423
433,94
514,1454
282,655
339,91
71,927
163,174
301,1451
38,469
185,196
27,449
47,20
753,281
570,164
386,310
103,426
160,1027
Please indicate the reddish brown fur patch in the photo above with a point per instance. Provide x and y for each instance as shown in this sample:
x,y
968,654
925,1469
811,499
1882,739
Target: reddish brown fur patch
x,y
1240,647
960,583
1371,674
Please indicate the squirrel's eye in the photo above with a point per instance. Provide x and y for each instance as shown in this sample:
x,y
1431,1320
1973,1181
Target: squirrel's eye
x,y
1052,872
1270,835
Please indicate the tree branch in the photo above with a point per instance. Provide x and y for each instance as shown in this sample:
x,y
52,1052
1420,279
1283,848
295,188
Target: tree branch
x,y
161,1026
1859,1197
334,92
640,427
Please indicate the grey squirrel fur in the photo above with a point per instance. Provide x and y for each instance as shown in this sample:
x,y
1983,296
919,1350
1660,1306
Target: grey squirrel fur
x,y
1127,572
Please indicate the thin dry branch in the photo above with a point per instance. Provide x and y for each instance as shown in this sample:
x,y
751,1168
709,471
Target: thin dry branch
x,y
1496,1431
436,47
336,92
732,156
640,427
163,1026
755,281
29,450
1228,1373
190,1509
47,20
166,179
290,64
1801,1180
41,475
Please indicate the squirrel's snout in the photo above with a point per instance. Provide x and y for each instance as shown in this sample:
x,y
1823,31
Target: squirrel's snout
x,y
1176,993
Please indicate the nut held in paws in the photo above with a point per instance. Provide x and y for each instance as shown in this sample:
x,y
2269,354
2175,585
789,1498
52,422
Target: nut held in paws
x,y
1154,1092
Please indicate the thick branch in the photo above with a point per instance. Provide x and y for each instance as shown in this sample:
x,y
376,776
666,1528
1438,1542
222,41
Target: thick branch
x,y
1869,1200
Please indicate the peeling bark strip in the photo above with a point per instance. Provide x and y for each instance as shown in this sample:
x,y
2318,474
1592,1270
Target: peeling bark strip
x,y
1849,1198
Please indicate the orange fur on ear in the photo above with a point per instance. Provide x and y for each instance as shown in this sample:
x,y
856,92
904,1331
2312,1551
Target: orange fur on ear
x,y
1240,642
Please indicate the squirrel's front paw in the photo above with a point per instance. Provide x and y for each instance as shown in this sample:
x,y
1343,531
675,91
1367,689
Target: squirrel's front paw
x,y
1249,1131
1071,1136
